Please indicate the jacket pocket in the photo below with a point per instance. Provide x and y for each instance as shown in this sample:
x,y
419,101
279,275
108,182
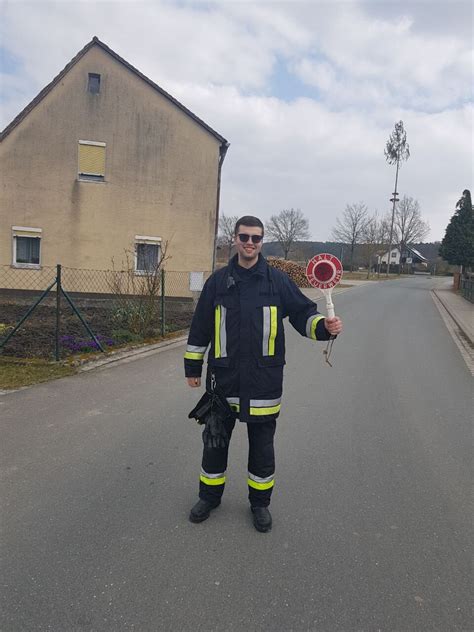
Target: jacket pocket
x,y
219,362
277,360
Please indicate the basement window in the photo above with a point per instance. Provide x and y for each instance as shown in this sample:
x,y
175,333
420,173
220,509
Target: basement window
x,y
91,160
93,85
26,247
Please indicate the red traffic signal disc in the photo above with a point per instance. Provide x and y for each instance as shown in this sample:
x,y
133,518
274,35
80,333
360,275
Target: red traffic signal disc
x,y
324,271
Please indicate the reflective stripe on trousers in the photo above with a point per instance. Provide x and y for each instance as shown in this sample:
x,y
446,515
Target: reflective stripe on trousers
x,y
212,479
256,482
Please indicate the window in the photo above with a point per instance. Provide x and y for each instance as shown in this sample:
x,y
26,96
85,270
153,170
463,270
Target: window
x,y
93,85
26,247
91,160
394,254
147,254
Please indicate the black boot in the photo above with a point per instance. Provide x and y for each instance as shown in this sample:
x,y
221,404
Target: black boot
x,y
202,510
262,519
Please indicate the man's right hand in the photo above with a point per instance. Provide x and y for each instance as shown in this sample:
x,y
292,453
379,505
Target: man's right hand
x,y
194,382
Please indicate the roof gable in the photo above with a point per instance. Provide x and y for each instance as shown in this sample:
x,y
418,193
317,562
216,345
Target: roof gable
x,y
96,42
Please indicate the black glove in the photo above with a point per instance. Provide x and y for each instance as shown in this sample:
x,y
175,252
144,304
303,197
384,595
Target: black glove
x,y
202,408
214,412
215,433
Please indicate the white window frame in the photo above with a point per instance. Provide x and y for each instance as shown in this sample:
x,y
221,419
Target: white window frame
x,y
35,233
145,239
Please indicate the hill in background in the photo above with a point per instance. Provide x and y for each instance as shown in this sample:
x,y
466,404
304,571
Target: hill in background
x,y
304,250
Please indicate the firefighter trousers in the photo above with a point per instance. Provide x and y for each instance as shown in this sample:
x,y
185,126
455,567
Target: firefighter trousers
x,y
261,466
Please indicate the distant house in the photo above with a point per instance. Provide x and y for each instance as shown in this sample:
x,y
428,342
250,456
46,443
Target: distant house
x,y
105,162
406,256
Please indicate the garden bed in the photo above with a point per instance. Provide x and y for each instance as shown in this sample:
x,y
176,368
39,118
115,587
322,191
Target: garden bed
x,y
36,337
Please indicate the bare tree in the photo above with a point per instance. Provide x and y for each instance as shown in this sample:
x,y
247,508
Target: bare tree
x,y
383,239
288,226
225,237
370,238
409,227
350,229
396,151
375,238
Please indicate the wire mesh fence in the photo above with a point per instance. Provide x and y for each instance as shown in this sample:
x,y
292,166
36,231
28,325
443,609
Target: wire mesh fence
x,y
467,288
121,307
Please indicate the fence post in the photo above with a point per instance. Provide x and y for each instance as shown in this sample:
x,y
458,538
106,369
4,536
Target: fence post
x,y
163,329
58,309
31,309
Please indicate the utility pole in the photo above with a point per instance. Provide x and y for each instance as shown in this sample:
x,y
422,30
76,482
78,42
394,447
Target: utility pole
x,y
394,200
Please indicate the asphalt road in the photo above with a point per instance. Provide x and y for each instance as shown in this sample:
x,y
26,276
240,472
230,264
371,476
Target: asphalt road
x,y
372,521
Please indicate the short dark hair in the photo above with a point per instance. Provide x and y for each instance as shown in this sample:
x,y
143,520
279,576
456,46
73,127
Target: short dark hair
x,y
248,220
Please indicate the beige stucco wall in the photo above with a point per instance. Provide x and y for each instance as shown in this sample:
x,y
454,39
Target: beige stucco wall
x,y
161,173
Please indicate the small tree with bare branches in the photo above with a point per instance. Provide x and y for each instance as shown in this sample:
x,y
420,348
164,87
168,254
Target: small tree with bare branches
x,y
350,228
225,238
409,227
374,236
288,226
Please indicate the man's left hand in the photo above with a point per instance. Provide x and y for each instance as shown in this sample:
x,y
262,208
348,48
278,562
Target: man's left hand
x,y
333,325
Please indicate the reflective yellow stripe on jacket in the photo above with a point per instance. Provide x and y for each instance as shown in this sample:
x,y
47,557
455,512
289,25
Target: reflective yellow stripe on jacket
x,y
220,333
234,403
270,325
311,325
194,353
265,406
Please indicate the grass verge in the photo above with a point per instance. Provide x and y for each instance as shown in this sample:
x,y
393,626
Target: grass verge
x,y
18,372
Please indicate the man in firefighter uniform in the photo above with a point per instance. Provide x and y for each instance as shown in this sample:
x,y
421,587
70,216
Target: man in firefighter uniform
x,y
240,314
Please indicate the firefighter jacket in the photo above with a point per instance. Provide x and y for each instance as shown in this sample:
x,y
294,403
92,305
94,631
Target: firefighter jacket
x,y
242,320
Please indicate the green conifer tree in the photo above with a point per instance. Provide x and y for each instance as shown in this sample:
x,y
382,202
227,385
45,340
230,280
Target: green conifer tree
x,y
457,246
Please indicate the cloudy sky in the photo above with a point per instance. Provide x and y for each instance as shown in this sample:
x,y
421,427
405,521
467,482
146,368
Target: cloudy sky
x,y
307,93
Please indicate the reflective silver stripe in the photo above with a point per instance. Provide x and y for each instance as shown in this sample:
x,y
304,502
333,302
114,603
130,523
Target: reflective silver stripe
x,y
194,349
234,403
207,475
266,330
223,333
309,325
257,479
264,403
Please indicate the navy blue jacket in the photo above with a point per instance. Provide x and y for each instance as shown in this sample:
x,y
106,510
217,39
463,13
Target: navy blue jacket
x,y
242,319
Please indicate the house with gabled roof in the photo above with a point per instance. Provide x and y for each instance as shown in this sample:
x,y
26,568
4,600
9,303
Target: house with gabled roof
x,y
406,256
105,162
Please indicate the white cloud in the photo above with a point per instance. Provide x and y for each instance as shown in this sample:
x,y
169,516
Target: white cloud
x,y
359,67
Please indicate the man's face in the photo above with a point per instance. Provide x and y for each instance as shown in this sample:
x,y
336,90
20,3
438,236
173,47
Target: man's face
x,y
248,250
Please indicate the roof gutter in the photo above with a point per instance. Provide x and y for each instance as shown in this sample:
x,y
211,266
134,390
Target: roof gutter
x,y
222,153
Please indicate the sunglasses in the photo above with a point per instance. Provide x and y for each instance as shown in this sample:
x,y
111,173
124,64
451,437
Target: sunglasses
x,y
243,237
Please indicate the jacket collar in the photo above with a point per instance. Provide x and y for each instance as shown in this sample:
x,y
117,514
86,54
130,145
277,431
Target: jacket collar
x,y
260,266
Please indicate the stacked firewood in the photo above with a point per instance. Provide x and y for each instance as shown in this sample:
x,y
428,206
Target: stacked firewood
x,y
295,271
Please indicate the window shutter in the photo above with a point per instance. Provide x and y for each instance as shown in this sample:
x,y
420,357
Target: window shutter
x,y
91,159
